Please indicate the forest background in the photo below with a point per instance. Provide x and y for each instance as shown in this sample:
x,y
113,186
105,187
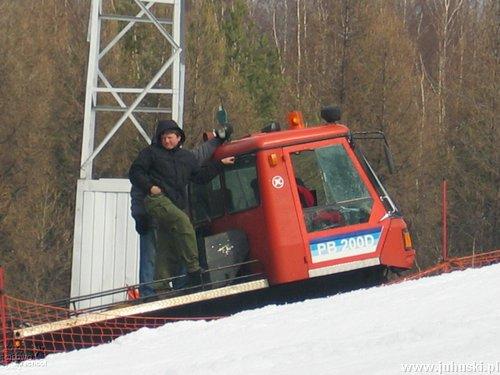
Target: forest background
x,y
423,71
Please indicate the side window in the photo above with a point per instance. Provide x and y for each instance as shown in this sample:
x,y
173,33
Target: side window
x,y
241,185
207,201
237,191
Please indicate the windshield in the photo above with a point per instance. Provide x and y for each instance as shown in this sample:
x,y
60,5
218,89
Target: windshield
x,y
331,191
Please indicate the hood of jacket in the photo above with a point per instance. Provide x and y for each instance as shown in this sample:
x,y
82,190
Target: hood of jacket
x,y
167,126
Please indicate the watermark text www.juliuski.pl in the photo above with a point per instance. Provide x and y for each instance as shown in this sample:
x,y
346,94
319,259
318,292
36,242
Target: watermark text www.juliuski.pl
x,y
451,368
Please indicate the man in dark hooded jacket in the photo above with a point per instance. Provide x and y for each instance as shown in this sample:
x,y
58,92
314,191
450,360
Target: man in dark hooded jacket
x,y
162,172
149,266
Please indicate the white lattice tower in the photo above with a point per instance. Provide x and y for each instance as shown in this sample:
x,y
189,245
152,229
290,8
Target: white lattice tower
x,y
105,248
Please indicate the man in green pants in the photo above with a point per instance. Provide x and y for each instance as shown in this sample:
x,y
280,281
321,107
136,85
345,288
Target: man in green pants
x,y
162,171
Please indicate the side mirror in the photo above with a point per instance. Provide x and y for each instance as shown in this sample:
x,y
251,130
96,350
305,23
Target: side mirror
x,y
389,159
377,135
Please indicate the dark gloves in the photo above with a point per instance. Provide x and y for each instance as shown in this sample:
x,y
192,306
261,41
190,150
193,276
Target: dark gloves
x,y
224,132
142,224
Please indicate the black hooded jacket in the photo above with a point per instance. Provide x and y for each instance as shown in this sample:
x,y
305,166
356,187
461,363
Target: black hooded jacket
x,y
170,170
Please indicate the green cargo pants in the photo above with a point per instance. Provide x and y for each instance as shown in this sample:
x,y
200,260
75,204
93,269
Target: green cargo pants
x,y
176,239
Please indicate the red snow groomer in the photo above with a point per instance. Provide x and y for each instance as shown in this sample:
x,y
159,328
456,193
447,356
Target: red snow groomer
x,y
299,206
302,203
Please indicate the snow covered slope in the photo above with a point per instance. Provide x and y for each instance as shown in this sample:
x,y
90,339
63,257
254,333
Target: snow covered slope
x,y
445,324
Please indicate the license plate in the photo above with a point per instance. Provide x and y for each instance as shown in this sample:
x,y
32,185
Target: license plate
x,y
345,245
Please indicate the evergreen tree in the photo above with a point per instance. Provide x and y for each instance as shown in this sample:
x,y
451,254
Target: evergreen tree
x,y
250,55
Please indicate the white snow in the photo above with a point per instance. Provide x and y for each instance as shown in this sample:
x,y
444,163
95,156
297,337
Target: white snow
x,y
444,324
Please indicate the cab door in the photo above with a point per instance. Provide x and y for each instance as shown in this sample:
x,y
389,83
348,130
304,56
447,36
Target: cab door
x,y
337,207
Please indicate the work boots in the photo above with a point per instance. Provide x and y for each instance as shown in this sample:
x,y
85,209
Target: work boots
x,y
194,279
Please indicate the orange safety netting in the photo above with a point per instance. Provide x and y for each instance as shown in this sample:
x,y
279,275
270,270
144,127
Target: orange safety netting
x,y
31,330
453,264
